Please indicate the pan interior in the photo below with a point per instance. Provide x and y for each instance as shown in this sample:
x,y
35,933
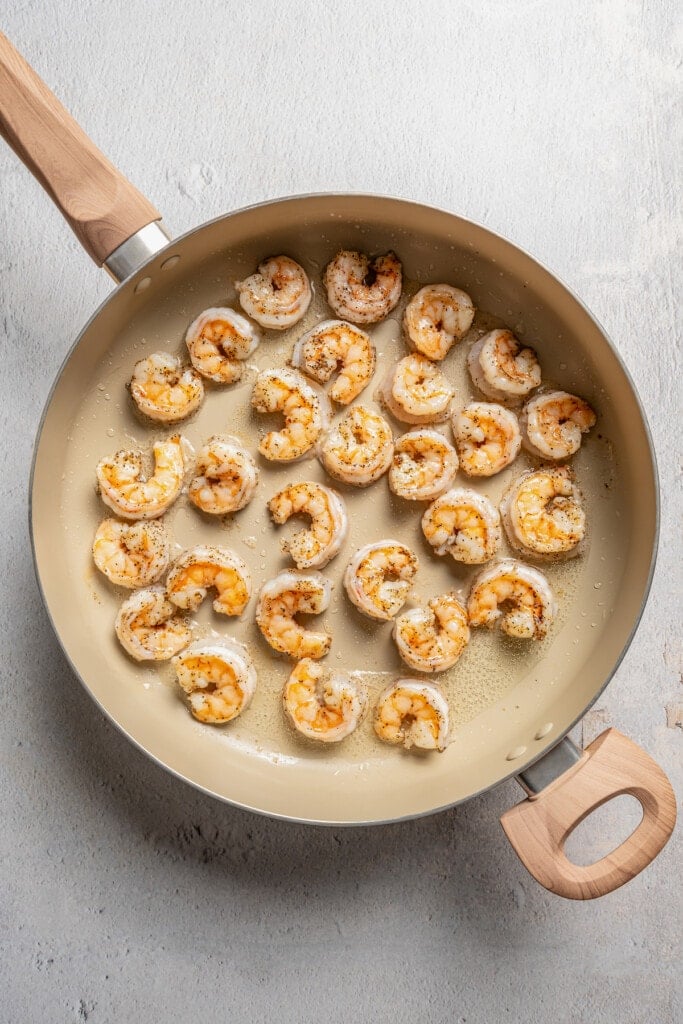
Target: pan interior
x,y
508,700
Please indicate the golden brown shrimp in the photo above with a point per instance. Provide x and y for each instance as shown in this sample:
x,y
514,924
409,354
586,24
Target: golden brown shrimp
x,y
502,369
424,465
315,547
149,628
359,448
286,596
360,289
379,577
226,477
322,705
165,390
463,524
432,639
305,411
337,347
552,424
416,391
543,514
219,341
124,489
414,713
528,603
203,567
436,317
131,554
218,677
487,438
277,295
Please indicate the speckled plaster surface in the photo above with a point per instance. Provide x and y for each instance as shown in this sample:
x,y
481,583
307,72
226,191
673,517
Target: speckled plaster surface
x,y
126,895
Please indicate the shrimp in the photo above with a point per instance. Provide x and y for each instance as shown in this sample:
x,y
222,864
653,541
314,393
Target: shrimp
x,y
416,391
277,295
502,369
165,390
436,317
321,705
226,477
432,639
379,577
463,524
219,341
203,567
337,347
552,424
306,413
131,554
315,547
218,677
360,289
543,514
282,598
414,713
359,449
487,438
526,593
124,489
149,628
424,465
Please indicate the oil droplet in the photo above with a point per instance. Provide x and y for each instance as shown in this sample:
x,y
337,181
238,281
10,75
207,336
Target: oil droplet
x,y
596,586
100,387
250,542
107,397
110,432
563,366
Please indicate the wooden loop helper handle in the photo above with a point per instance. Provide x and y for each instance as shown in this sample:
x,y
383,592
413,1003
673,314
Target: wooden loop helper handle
x,y
101,205
611,766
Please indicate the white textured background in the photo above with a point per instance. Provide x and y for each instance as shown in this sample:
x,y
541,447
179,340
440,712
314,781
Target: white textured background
x,y
125,895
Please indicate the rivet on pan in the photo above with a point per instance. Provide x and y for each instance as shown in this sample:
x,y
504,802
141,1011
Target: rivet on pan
x,y
141,285
170,262
515,753
543,731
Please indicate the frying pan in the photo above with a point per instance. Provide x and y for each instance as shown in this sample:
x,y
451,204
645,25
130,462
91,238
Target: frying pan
x,y
514,710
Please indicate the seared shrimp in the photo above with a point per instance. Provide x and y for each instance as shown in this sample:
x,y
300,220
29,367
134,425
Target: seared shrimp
x,y
277,295
131,554
552,424
543,514
321,705
306,413
165,390
226,477
463,524
529,603
219,341
124,489
315,547
203,567
424,465
360,289
218,677
379,577
502,369
282,598
436,317
149,628
337,347
358,449
432,639
487,438
414,713
416,391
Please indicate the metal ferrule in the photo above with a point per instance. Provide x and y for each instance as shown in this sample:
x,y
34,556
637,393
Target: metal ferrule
x,y
556,762
136,250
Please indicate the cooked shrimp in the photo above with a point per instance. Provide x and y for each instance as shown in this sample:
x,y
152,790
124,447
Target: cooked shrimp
x,y
416,391
487,438
315,547
502,369
306,413
436,317
322,705
414,713
379,577
218,677
424,465
529,602
337,347
552,424
463,524
149,628
278,295
219,341
543,513
165,390
131,554
226,477
203,567
432,639
359,448
124,489
360,289
282,598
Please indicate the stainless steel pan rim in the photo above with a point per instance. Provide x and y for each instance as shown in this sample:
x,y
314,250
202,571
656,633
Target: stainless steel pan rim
x,y
543,750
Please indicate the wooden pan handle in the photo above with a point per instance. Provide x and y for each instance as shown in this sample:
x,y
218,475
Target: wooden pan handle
x,y
101,206
611,766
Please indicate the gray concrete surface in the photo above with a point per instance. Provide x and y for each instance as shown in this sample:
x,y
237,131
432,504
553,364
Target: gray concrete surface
x,y
127,896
